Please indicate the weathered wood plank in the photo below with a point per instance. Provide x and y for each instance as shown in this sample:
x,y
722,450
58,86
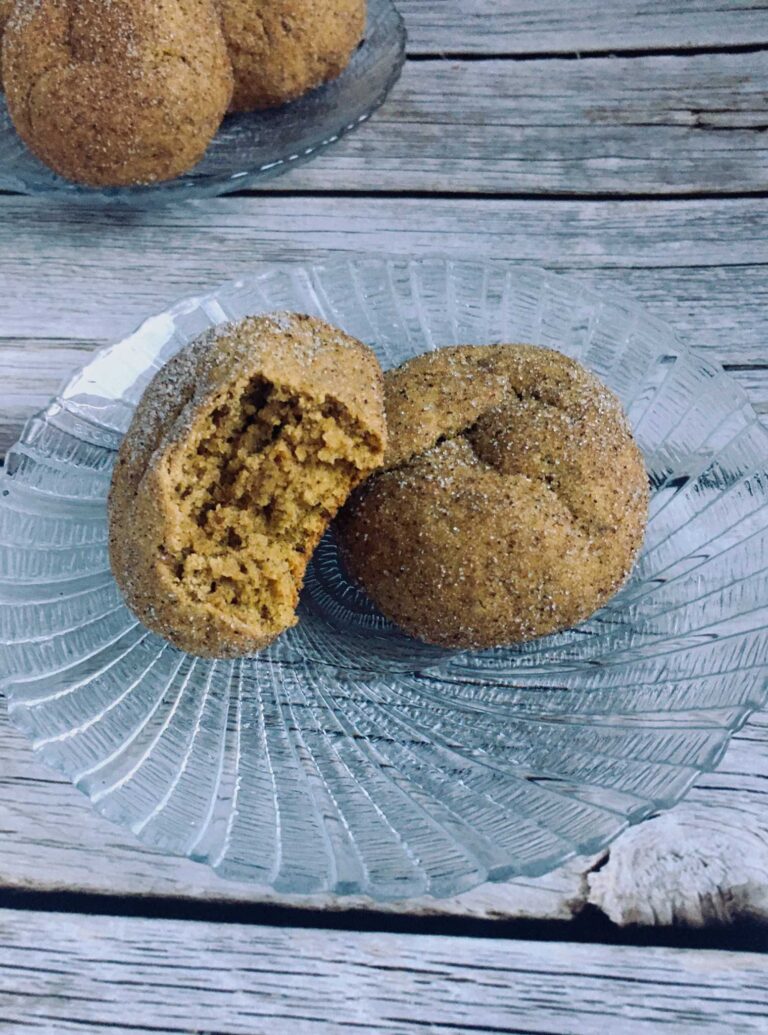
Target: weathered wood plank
x,y
573,26
70,273
755,384
647,125
656,125
67,273
68,972
706,860
30,373
70,282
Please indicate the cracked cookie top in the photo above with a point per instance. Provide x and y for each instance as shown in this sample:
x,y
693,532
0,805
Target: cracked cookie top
x,y
281,48
513,499
116,92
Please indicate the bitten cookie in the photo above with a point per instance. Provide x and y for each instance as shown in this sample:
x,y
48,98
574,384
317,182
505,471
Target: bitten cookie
x,y
240,452
512,503
280,49
118,93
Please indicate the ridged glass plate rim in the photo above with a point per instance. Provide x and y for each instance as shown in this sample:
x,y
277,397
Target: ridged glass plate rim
x,y
188,303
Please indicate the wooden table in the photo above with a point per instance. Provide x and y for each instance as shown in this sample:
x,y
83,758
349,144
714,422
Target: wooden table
x,y
624,142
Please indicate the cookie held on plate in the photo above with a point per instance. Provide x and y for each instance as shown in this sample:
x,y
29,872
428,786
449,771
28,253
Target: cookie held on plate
x,y
118,93
280,49
240,452
512,502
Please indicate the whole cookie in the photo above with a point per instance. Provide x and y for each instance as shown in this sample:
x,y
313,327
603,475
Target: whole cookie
x,y
240,452
118,93
281,48
512,503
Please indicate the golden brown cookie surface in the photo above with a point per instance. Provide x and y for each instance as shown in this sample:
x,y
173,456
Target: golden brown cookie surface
x,y
6,6
513,500
281,48
240,452
118,93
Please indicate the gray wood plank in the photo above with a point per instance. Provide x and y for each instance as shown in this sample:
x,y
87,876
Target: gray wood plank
x,y
63,973
703,862
573,26
701,265
656,125
755,383
101,271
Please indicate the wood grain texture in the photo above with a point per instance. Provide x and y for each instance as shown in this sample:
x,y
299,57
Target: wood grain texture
x,y
705,861
572,26
701,265
755,384
167,976
663,124
656,125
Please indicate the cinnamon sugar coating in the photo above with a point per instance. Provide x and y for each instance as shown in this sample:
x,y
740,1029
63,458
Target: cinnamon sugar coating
x,y
240,452
512,502
6,6
116,92
280,49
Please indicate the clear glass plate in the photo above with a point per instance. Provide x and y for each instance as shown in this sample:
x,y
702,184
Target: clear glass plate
x,y
249,147
349,757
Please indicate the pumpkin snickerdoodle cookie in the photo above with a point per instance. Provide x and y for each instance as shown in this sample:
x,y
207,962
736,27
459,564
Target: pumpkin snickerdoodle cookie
x,y
281,48
512,502
240,452
118,93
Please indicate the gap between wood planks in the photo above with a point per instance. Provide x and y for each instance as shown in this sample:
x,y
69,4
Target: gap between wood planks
x,y
591,926
586,53
442,195
477,195
473,195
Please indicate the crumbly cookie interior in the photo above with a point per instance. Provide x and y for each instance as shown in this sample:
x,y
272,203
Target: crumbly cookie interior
x,y
255,484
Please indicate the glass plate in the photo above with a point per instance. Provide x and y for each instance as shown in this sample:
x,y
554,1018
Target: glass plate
x,y
348,757
249,147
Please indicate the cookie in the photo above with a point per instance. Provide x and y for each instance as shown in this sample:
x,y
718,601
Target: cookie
x,y
118,93
512,502
280,49
240,452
